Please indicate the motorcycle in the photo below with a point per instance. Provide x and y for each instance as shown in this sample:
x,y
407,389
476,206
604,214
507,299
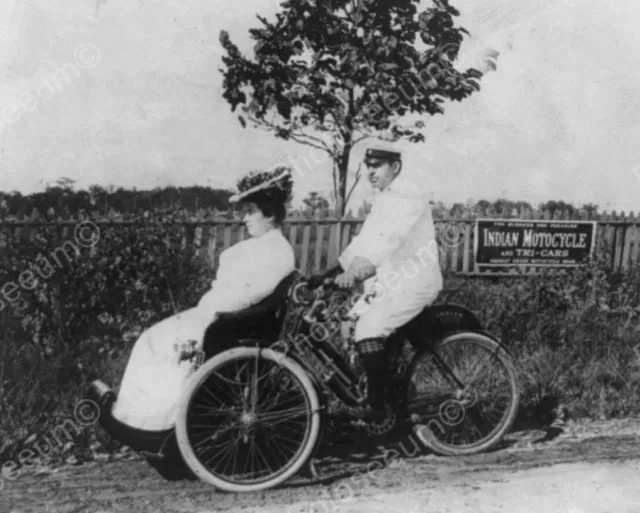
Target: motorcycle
x,y
269,378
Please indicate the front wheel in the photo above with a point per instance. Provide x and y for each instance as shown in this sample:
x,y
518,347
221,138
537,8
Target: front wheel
x,y
248,420
463,393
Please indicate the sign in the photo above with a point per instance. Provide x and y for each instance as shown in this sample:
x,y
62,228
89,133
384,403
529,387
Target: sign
x,y
509,242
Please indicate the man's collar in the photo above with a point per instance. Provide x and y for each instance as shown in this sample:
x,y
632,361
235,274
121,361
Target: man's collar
x,y
393,186
398,184
405,187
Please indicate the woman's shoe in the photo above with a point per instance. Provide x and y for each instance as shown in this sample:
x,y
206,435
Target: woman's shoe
x,y
138,439
102,395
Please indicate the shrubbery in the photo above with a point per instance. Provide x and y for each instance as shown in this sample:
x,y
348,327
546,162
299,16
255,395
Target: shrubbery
x,y
573,332
85,311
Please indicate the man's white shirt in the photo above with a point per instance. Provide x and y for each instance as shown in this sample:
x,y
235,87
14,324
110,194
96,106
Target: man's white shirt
x,y
398,235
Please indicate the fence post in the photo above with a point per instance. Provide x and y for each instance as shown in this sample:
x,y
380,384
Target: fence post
x,y
211,244
466,242
334,242
628,242
304,257
317,262
635,253
314,252
346,236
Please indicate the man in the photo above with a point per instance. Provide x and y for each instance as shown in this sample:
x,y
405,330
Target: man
x,y
397,254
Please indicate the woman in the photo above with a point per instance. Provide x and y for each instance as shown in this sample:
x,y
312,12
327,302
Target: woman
x,y
248,272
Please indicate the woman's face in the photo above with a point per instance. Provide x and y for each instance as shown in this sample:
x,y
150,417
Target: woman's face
x,y
257,223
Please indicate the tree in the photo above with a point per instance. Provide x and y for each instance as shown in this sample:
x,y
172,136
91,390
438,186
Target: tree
x,y
458,209
315,202
330,73
503,205
552,206
590,209
62,184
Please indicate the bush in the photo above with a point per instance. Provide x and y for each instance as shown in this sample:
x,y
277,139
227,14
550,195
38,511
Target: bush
x,y
83,311
574,332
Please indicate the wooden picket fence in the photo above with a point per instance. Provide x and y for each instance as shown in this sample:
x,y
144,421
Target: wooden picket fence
x,y
319,241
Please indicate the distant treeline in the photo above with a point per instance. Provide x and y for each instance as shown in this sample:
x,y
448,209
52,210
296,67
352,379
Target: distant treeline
x,y
63,199
502,205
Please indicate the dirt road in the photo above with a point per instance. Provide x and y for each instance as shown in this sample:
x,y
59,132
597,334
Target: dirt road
x,y
572,468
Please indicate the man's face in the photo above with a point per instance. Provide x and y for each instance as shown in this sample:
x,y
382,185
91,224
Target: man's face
x,y
381,172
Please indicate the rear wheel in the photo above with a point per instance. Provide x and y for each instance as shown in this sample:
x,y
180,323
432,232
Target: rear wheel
x,y
464,394
249,420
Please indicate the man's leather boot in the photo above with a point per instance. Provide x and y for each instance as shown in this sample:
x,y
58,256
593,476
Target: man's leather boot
x,y
372,355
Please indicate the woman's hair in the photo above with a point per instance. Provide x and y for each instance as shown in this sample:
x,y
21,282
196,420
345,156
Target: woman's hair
x,y
271,204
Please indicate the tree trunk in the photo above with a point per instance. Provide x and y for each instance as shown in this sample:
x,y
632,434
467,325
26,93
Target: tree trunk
x,y
343,166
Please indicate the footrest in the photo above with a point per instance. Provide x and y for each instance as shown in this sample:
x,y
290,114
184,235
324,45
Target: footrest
x,y
101,394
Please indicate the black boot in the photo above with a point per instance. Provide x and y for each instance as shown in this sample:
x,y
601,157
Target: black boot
x,y
372,355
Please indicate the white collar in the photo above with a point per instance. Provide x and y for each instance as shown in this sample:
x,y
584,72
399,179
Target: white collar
x,y
404,187
270,233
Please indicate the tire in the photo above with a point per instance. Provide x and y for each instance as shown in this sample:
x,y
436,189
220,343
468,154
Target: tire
x,y
448,424
189,401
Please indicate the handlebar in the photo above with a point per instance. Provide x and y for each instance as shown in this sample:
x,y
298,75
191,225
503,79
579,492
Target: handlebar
x,y
318,298
327,285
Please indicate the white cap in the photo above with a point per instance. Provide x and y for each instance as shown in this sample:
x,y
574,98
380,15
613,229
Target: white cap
x,y
381,148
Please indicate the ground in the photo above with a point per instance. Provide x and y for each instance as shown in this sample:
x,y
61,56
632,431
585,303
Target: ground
x,y
577,467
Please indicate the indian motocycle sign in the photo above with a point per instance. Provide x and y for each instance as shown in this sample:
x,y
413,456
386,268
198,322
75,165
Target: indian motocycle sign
x,y
507,242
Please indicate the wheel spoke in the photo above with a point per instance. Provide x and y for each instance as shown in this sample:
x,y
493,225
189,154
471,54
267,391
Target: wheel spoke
x,y
286,444
485,399
279,390
210,410
277,417
263,458
212,395
254,385
249,420
267,401
231,456
220,455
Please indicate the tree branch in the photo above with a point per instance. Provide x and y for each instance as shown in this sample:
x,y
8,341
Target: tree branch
x,y
356,141
297,137
357,179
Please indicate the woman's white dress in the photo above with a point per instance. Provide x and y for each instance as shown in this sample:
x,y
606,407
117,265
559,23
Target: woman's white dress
x,y
153,380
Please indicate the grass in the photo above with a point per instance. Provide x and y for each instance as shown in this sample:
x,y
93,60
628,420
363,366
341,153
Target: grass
x,y
574,334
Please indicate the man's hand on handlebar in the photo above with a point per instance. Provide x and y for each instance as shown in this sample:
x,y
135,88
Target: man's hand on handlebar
x,y
346,280
359,270
316,280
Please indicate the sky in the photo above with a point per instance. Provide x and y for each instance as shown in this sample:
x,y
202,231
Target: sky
x,y
143,105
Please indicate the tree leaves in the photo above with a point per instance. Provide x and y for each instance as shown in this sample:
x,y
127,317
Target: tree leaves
x,y
344,66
